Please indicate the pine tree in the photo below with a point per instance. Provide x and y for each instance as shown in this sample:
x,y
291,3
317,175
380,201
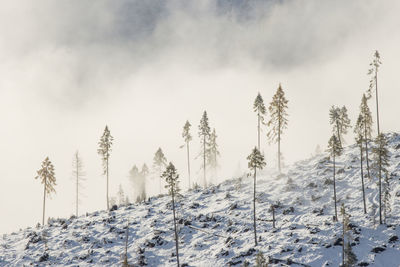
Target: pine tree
x,y
104,151
142,186
340,121
187,137
159,163
78,175
260,260
373,72
335,149
381,162
366,124
204,134
259,108
359,130
121,195
279,121
213,152
348,257
47,177
256,161
137,180
171,176
386,198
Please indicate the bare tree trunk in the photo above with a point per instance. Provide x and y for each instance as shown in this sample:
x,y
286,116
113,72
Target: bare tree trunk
x,y
188,159
334,187
344,214
44,199
204,161
377,102
108,206
362,177
254,207
279,138
366,149
273,216
176,232
258,127
77,182
380,188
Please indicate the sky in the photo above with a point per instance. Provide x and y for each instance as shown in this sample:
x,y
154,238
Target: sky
x,y
68,68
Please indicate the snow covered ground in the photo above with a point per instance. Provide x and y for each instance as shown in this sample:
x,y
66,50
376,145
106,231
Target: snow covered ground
x,y
215,224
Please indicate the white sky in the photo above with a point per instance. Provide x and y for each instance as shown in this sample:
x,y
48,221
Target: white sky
x,y
145,67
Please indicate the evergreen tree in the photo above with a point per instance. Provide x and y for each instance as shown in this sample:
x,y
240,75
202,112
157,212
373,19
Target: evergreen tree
x,y
373,72
259,108
358,130
381,162
142,186
104,151
213,152
121,195
260,260
204,134
159,163
48,179
171,176
340,121
349,259
187,137
386,198
78,175
365,127
138,182
335,149
256,161
279,121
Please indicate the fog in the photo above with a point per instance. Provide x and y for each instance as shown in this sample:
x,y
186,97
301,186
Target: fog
x,y
68,68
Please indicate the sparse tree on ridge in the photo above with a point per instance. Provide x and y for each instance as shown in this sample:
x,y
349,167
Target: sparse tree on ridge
x,y
366,124
204,134
340,121
171,176
256,161
259,108
381,162
47,177
213,152
335,149
373,72
78,175
104,151
187,137
358,130
278,120
159,163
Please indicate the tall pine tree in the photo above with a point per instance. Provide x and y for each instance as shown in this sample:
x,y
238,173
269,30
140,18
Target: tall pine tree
x,y
259,108
79,176
204,134
366,124
256,161
279,121
381,163
104,151
48,179
159,163
171,176
373,72
187,137
335,149
213,152
340,121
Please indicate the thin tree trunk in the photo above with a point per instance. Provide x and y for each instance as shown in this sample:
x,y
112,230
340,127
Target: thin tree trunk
x,y
188,159
273,216
334,186
376,93
279,138
366,149
108,206
254,207
344,214
258,127
44,199
362,177
176,232
77,182
204,161
380,189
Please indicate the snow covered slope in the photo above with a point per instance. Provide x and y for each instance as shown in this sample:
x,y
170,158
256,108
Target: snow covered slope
x,y
216,224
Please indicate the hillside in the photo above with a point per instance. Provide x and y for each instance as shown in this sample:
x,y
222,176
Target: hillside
x,y
216,224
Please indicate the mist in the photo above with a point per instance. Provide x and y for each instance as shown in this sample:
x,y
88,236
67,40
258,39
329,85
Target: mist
x,y
68,68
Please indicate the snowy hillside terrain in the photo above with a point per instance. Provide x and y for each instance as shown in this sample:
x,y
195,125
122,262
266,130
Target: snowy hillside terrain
x,y
215,224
